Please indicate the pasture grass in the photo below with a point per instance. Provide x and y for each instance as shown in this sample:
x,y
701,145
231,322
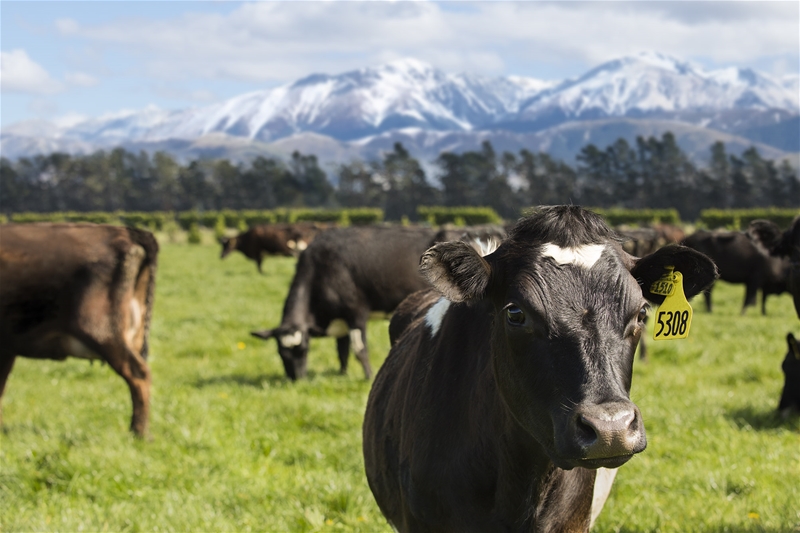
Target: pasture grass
x,y
235,447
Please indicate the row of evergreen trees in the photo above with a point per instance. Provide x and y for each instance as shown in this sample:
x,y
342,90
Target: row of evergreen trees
x,y
654,173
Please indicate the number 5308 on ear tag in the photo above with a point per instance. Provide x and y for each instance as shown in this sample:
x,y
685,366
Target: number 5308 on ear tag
x,y
674,315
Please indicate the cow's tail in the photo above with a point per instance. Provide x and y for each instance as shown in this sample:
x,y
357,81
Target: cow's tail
x,y
146,275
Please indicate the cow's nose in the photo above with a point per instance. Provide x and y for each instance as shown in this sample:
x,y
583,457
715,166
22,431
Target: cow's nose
x,y
610,430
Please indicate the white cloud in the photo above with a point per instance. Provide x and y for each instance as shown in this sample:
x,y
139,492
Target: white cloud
x,y
80,79
20,74
273,42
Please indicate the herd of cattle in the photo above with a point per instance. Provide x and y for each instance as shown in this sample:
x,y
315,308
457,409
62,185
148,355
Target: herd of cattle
x,y
503,403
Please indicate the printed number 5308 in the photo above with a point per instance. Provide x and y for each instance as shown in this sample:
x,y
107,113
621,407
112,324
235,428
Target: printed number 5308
x,y
672,323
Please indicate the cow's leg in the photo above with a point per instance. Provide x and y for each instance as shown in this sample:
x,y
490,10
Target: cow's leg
x,y
358,338
6,363
136,373
258,262
764,302
707,296
750,296
343,348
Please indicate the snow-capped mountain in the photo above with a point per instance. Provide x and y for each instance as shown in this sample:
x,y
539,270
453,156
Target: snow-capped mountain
x,y
371,103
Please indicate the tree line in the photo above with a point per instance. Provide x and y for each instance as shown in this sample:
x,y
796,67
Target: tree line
x,y
653,173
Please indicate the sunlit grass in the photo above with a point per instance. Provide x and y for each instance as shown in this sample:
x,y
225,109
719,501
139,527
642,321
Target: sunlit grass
x,y
235,447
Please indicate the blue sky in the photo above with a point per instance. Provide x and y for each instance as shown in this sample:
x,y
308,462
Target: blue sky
x,y
65,60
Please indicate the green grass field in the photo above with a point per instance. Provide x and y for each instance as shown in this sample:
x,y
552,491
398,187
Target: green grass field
x,y
235,447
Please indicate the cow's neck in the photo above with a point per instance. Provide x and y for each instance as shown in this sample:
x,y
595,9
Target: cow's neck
x,y
296,309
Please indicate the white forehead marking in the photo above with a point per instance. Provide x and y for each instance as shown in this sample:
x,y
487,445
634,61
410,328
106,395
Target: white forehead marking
x,y
584,256
337,328
602,487
290,341
355,340
435,315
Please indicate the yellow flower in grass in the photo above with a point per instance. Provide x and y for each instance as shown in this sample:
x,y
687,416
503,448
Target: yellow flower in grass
x,y
241,345
753,516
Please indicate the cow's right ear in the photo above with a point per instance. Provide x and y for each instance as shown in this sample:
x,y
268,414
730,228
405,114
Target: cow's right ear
x,y
456,270
697,269
263,334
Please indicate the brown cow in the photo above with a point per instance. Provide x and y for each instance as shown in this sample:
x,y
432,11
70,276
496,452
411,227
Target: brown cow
x,y
271,239
79,290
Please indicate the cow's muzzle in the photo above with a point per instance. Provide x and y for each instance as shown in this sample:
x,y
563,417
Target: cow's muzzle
x,y
608,434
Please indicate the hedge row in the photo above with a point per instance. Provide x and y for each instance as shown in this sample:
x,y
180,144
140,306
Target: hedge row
x,y
739,219
228,218
460,216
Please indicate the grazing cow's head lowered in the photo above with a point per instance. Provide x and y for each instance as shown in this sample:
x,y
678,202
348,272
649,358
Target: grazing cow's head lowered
x,y
567,306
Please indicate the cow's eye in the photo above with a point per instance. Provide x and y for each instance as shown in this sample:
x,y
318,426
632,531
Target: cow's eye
x,y
643,313
515,316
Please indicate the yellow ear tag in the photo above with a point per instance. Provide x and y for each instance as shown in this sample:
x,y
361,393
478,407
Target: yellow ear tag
x,y
674,315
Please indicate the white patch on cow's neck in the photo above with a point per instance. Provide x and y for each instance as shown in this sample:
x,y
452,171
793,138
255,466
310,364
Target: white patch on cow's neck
x,y
302,245
584,256
435,315
485,246
337,328
355,340
602,487
291,340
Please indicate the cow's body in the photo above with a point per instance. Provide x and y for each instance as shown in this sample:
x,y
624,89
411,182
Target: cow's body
x,y
79,290
646,240
342,278
789,404
505,391
271,239
740,261
769,238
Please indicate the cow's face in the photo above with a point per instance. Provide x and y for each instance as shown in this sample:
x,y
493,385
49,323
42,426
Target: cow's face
x,y
292,348
228,245
566,322
790,397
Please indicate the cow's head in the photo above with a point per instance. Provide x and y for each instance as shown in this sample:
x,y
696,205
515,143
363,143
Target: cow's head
x,y
790,397
292,347
228,245
568,308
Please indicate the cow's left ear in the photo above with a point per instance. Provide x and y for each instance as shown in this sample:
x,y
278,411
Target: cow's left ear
x,y
698,270
456,270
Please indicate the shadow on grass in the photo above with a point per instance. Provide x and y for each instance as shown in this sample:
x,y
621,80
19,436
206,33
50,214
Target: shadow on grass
x,y
755,527
760,419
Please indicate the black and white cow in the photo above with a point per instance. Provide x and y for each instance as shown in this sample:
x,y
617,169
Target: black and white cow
x,y
502,398
344,276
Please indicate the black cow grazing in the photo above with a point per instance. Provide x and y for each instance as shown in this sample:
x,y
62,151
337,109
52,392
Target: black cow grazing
x,y
790,397
79,290
499,402
271,239
768,236
740,261
342,278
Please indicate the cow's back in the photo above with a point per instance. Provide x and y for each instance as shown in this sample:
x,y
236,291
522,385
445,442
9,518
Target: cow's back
x,y
376,264
736,257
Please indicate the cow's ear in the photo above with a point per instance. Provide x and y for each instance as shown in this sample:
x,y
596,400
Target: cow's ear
x,y
698,270
456,270
263,334
767,234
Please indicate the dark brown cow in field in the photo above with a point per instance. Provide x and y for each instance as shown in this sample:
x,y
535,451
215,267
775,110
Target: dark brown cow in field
x,y
79,290
740,261
343,277
502,397
789,403
271,239
646,240
784,244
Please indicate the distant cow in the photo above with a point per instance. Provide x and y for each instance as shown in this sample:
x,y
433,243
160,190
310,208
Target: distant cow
x,y
272,239
740,261
345,275
768,236
790,397
499,401
646,240
79,290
